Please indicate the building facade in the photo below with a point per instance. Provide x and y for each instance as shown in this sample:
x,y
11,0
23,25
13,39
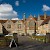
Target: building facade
x,y
29,26
44,26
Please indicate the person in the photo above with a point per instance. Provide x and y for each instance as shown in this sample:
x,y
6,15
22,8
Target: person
x,y
13,43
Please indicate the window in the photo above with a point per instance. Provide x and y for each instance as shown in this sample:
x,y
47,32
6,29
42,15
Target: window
x,y
9,26
19,26
31,23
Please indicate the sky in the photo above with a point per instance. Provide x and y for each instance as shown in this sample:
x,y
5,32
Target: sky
x,y
16,8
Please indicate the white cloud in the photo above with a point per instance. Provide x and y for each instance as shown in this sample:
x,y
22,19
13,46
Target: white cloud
x,y
6,11
46,8
3,18
15,19
17,3
5,8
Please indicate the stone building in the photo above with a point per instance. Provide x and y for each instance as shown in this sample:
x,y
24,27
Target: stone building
x,y
44,26
28,25
25,26
19,27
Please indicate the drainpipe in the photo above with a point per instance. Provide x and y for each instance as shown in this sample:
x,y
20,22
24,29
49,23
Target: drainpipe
x,y
35,29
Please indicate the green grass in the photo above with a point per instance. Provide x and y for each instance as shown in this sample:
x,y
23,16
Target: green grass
x,y
40,38
4,40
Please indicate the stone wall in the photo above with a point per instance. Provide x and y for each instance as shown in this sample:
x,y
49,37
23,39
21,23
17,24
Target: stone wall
x,y
1,28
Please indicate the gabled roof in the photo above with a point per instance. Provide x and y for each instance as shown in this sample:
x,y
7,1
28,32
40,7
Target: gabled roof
x,y
46,20
21,21
3,21
14,21
33,18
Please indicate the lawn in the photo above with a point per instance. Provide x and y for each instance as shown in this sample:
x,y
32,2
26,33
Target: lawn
x,y
40,38
4,41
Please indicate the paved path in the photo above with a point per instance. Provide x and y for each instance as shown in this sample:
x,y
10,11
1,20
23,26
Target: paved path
x,y
26,43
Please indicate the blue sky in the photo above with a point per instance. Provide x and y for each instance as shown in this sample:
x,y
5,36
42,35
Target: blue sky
x,y
33,7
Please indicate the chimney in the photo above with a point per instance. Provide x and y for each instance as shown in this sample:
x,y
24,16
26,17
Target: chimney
x,y
45,15
39,17
39,20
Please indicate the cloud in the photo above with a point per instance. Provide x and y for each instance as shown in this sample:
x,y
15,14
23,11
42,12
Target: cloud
x,y
17,3
15,19
6,11
5,8
46,8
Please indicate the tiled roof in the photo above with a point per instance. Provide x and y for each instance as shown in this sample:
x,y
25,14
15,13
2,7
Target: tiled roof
x,y
35,18
22,21
13,21
42,17
46,20
3,21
